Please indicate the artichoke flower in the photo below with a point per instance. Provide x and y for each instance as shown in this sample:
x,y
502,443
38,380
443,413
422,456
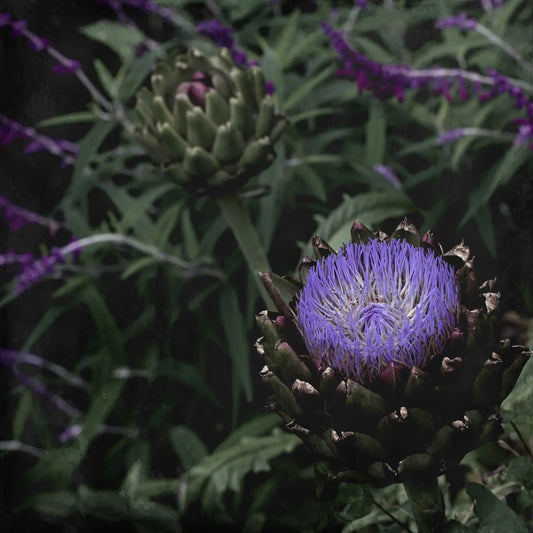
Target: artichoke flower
x,y
384,357
209,124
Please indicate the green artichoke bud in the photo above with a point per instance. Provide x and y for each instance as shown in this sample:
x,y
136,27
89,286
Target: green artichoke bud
x,y
208,124
384,357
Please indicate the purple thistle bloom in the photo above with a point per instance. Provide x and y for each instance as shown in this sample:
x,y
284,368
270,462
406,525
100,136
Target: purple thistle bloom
x,y
377,303
460,21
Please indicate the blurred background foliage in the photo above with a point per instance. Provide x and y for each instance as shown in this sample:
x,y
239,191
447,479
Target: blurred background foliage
x,y
174,434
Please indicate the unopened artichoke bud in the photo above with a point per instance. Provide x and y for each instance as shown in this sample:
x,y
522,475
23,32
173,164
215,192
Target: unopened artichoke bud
x,y
402,377
211,118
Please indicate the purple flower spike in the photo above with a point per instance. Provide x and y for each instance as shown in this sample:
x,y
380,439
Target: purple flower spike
x,y
451,136
389,175
70,66
377,303
461,21
221,35
5,19
70,433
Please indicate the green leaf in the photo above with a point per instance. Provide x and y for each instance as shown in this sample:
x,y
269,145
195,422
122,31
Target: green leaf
x,y
188,446
138,207
259,425
166,222
112,507
354,501
137,73
138,265
118,37
517,406
72,285
520,470
376,133
69,118
493,513
225,470
106,78
42,327
287,38
237,342
59,504
24,409
486,228
190,239
369,208
88,148
305,88
515,157
157,487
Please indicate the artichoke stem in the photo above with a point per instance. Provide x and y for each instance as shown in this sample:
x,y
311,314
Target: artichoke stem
x,y
239,221
427,504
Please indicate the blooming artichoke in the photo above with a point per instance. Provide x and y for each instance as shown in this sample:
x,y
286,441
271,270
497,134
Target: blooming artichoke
x,y
383,358
208,123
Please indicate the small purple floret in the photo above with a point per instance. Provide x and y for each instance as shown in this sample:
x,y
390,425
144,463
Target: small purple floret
x,y
377,303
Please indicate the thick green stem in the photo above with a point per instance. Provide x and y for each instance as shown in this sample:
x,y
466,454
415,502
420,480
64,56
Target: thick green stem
x,y
239,221
427,504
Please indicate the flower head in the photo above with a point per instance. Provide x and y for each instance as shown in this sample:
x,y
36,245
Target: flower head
x,y
378,303
384,357
209,124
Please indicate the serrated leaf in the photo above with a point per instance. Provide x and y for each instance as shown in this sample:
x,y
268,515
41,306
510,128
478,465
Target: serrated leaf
x,y
257,426
188,446
493,513
225,470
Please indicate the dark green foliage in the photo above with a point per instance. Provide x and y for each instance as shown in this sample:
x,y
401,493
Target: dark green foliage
x,y
154,331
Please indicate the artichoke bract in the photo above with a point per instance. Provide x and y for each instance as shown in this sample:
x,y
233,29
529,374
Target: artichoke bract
x,y
384,357
209,124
